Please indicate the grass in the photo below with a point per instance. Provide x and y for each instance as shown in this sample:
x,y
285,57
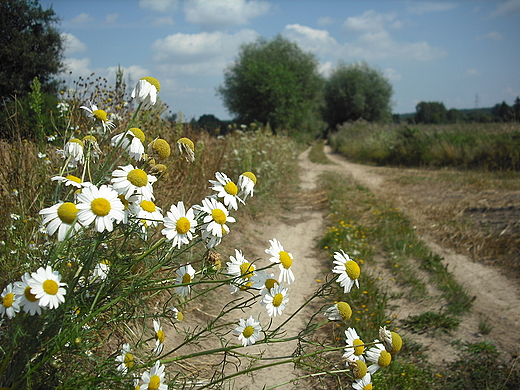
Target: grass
x,y
317,154
431,320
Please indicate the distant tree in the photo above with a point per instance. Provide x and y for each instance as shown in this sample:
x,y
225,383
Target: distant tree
x,y
453,116
273,82
430,113
356,91
516,109
502,112
209,122
31,46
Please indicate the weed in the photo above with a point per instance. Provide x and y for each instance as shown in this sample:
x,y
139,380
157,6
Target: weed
x,y
431,320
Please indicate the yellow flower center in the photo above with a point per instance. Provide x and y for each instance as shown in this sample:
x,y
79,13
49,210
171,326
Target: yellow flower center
x,y
248,331
73,178
186,278
8,300
90,138
100,115
148,206
137,177
368,387
277,299
153,81
105,262
285,259
162,148
353,270
361,370
269,283
384,359
100,207
29,295
182,225
188,142
231,188
160,336
180,316
155,382
129,360
246,270
250,175
138,133
50,287
67,212
359,348
344,310
397,342
219,216
77,141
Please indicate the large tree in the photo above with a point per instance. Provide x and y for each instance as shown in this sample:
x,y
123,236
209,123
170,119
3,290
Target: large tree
x,y
30,46
354,92
273,82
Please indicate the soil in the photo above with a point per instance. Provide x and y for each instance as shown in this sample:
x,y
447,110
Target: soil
x,y
496,293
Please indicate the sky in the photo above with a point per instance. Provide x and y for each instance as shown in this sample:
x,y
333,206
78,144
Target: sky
x,y
465,54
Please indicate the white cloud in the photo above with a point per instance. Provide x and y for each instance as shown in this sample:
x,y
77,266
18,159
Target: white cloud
x,y
493,35
218,14
472,73
159,5
111,18
392,74
78,67
207,53
82,18
326,21
72,44
325,69
423,7
371,40
507,8
309,39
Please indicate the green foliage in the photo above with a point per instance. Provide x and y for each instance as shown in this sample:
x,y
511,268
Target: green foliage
x,y
31,47
430,320
273,82
431,113
355,92
484,146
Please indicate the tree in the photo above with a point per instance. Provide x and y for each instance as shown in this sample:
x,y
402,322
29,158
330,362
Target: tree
x,y
31,46
273,82
431,113
354,92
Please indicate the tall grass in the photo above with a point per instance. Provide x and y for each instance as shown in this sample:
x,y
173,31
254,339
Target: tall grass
x,y
494,146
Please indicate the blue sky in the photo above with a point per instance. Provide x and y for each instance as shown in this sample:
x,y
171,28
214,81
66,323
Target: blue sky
x,y
429,50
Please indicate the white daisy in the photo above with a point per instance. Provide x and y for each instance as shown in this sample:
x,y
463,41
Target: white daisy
x,y
159,337
186,149
263,281
391,340
73,152
28,300
348,271
69,180
10,304
364,383
154,379
275,300
379,356
146,91
227,190
101,206
62,218
129,180
246,183
159,148
185,275
101,270
240,267
248,331
148,213
125,358
341,311
132,141
354,347
179,225
283,258
130,206
358,367
47,287
96,114
177,315
215,221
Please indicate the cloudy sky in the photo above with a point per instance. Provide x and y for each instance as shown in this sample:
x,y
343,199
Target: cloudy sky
x,y
462,53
